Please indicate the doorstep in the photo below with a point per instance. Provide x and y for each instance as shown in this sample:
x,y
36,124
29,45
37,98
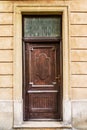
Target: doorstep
x,y
42,124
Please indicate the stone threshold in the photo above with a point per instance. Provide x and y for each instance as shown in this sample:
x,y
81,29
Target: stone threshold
x,y
43,124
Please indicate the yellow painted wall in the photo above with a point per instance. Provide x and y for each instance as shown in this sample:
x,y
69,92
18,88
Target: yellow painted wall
x,y
77,18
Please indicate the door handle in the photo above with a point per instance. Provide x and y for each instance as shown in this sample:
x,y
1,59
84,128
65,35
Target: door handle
x,y
58,78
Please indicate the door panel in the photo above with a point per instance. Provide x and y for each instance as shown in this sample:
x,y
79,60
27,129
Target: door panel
x,y
42,81
43,102
42,72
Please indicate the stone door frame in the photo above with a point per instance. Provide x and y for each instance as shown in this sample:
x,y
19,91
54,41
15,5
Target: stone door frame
x,y
18,101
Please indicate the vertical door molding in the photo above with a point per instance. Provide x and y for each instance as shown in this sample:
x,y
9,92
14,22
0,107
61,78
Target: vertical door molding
x,y
18,101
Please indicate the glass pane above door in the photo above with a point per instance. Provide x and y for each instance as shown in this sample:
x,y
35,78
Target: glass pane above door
x,y
42,26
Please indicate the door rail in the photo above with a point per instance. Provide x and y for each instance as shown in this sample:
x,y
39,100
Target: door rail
x,y
43,91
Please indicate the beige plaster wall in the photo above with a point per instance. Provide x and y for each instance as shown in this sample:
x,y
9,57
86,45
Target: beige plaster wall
x,y
77,56
78,49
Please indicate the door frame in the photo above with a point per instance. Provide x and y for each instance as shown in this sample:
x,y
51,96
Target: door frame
x,y
18,101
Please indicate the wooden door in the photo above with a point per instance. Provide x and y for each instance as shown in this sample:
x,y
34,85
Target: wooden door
x,y
42,81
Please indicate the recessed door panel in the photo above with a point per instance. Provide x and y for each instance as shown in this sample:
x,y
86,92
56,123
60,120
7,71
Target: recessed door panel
x,y
43,66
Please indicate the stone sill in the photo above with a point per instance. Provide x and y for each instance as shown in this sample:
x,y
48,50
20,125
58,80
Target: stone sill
x,y
42,124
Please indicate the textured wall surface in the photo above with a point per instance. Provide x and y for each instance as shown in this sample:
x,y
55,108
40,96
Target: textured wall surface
x,y
77,18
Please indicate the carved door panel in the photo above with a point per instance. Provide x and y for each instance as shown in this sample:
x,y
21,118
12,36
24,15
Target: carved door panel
x,y
42,81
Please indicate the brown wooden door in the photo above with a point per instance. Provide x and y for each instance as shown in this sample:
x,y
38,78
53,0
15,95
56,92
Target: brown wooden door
x,y
42,81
